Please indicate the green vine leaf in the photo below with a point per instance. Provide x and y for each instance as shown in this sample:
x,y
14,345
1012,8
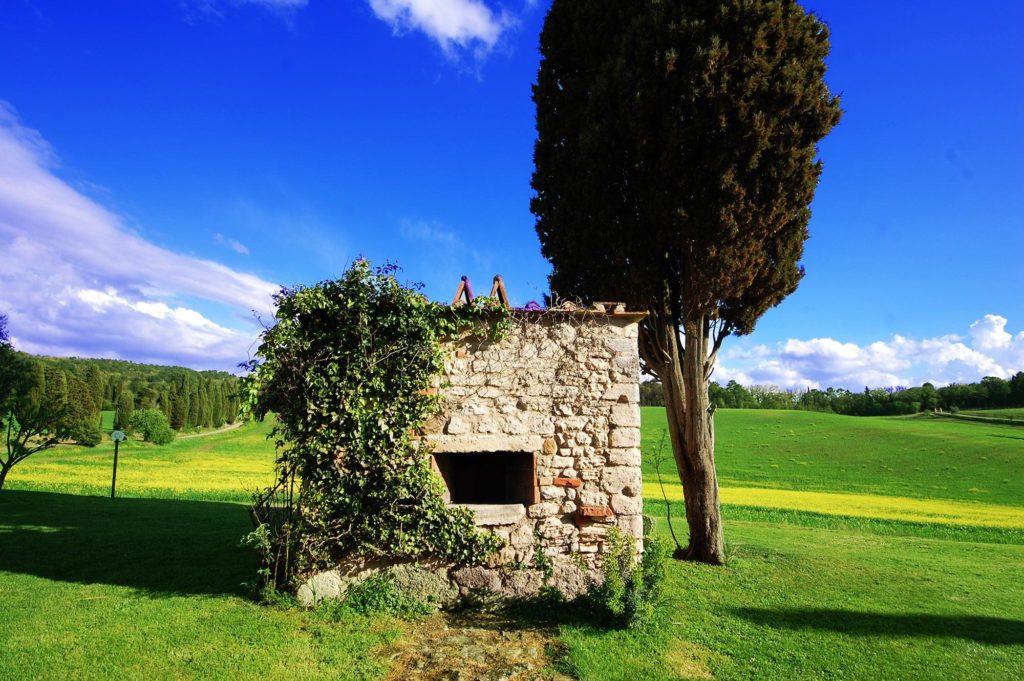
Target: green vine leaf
x,y
346,371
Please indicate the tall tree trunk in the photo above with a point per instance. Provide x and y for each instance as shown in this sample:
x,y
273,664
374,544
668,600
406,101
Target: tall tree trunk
x,y
700,481
691,428
3,475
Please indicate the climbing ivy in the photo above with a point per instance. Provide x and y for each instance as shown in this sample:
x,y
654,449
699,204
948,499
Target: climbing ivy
x,y
346,370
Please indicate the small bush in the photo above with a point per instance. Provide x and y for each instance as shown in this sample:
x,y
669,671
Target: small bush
x,y
630,590
152,425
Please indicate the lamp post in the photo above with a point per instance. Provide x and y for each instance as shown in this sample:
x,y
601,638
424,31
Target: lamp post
x,y
116,436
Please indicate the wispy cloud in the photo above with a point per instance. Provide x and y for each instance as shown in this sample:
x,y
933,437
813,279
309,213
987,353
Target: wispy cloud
x,y
233,244
216,8
277,4
457,26
987,350
76,280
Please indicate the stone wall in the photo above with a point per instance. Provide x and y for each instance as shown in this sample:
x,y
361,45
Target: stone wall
x,y
563,386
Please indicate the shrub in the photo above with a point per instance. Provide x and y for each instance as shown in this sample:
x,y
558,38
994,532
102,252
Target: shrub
x,y
629,591
152,425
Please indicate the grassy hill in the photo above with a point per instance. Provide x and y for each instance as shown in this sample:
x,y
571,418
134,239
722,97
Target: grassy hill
x,y
918,457
1010,413
860,548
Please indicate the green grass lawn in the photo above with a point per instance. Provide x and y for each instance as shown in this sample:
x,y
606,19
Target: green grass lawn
x,y
915,457
94,588
833,574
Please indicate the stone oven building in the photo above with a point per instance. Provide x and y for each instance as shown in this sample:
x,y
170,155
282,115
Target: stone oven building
x,y
539,433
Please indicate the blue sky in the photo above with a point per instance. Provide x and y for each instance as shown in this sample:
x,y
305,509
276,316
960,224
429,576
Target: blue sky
x,y
164,165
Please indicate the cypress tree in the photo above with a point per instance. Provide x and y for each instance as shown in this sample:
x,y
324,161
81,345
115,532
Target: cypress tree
x,y
55,387
125,407
192,421
217,403
96,383
82,416
675,162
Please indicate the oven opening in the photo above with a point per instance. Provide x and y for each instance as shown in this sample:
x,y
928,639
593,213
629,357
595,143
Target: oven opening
x,y
488,477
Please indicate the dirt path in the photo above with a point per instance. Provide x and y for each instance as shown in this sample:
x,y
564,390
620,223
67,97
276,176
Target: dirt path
x,y
476,647
223,429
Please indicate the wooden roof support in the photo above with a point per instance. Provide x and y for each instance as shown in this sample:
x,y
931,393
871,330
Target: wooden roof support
x,y
465,290
498,289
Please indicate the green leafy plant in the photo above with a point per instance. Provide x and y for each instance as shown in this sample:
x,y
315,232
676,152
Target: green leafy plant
x,y
152,424
347,369
629,590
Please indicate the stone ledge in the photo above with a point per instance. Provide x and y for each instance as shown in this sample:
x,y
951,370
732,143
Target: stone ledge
x,y
496,514
445,444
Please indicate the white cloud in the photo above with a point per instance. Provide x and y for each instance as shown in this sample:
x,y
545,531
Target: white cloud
x,y
75,280
468,25
233,244
825,362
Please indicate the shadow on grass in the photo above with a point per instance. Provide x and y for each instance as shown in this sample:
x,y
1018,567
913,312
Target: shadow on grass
x,y
162,547
991,630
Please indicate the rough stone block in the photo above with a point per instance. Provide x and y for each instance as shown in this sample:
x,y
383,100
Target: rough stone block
x,y
477,577
624,505
523,583
626,415
624,437
522,535
622,346
618,479
628,365
549,492
456,426
624,457
632,525
542,510
321,586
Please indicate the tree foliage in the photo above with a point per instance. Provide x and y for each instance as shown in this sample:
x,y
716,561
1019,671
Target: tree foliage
x,y
190,399
991,392
152,425
124,408
29,422
346,369
675,164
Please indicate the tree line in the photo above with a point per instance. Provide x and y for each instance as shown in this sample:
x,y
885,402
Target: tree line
x,y
188,399
46,401
80,389
990,392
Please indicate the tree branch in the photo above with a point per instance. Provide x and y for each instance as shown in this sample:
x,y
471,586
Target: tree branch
x,y
720,335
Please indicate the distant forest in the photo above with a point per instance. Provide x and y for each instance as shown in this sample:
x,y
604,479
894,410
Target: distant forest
x,y
989,393
189,399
